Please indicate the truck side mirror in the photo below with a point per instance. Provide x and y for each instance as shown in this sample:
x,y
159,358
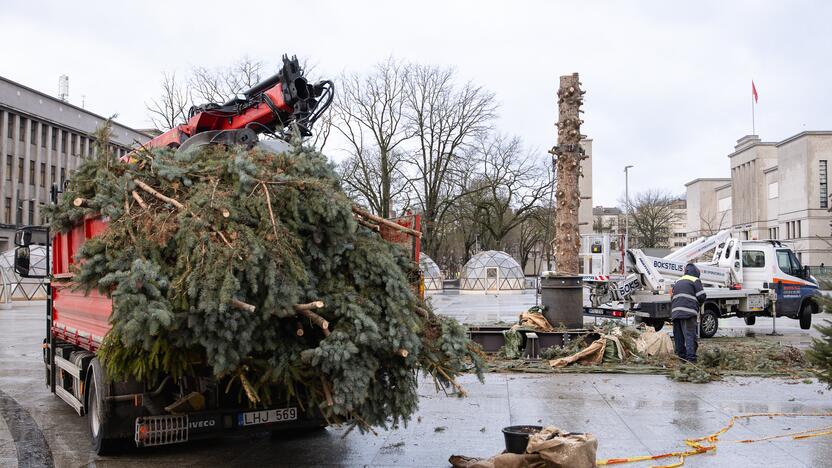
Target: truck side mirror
x,y
31,235
22,238
21,260
23,264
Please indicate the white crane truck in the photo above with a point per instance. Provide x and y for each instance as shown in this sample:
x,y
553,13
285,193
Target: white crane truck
x,y
744,278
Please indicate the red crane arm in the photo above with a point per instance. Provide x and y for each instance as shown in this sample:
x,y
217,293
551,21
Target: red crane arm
x,y
270,106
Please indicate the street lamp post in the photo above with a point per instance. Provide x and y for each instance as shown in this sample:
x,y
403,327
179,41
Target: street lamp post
x,y
627,207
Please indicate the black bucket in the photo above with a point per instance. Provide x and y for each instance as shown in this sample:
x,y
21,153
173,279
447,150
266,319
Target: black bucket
x,y
517,437
563,300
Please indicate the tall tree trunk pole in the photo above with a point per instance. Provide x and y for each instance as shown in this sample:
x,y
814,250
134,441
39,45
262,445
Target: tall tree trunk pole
x,y
568,155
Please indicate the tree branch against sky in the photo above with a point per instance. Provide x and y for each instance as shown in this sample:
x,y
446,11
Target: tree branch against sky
x,y
445,117
652,217
369,116
170,108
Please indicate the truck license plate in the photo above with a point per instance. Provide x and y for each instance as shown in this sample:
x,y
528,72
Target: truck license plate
x,y
756,302
251,418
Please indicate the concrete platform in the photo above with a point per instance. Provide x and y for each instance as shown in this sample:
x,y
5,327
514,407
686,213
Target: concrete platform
x,y
630,415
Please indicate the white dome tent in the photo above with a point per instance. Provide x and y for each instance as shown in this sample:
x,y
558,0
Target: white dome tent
x,y
431,274
492,271
16,288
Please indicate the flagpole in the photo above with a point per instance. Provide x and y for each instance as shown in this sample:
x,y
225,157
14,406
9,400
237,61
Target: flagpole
x,y
753,127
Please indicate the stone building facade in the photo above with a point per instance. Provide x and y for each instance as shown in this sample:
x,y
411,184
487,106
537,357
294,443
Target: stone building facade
x,y
777,190
42,141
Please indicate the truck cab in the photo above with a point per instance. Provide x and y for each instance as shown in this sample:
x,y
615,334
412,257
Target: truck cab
x,y
742,278
771,264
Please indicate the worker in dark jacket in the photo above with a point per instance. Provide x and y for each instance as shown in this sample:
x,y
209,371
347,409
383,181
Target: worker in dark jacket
x,y
687,296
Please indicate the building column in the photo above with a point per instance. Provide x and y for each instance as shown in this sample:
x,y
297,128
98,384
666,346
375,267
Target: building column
x,y
14,185
58,158
4,154
50,130
38,159
27,171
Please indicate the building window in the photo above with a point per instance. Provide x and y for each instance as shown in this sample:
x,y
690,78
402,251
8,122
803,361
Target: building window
x,y
52,180
773,190
54,139
31,173
20,169
31,212
73,140
63,143
799,233
8,217
824,193
10,126
42,174
43,129
63,176
9,167
33,133
22,133
18,212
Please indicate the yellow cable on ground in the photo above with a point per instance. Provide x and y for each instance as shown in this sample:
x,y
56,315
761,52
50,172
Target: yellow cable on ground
x,y
697,447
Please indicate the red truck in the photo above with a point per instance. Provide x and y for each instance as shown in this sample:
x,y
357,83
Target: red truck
x,y
76,322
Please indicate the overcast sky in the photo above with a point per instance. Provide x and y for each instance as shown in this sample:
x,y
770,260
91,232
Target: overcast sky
x,y
668,86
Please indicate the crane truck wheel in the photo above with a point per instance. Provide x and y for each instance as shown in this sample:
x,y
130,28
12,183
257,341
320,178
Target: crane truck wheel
x,y
750,319
709,323
98,412
805,316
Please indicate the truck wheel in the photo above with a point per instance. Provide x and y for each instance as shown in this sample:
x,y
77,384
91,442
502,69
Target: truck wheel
x,y
750,319
805,316
709,324
98,412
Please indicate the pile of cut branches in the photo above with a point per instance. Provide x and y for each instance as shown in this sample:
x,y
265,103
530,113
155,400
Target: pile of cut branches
x,y
252,264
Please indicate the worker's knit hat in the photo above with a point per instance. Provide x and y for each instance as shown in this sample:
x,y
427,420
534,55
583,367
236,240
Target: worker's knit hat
x,y
690,269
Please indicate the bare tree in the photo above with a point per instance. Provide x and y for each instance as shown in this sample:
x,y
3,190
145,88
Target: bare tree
x,y
531,235
171,108
222,84
369,114
651,217
444,118
515,185
601,226
710,223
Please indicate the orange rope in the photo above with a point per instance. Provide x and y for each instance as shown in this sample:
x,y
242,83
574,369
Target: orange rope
x,y
696,447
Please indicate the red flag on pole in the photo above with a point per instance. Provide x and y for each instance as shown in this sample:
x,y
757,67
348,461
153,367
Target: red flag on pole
x,y
754,91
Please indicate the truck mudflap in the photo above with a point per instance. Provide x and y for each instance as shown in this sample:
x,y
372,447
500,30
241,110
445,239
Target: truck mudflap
x,y
178,428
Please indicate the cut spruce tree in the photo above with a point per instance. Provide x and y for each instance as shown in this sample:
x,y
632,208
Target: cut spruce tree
x,y
820,352
252,264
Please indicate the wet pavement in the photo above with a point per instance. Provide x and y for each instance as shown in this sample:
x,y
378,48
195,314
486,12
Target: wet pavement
x,y
629,414
506,307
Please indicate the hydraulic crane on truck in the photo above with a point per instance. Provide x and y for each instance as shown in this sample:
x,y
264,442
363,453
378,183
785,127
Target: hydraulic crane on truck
x,y
281,106
744,278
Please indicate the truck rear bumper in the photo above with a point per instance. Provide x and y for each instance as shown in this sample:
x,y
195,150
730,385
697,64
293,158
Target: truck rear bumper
x,y
173,429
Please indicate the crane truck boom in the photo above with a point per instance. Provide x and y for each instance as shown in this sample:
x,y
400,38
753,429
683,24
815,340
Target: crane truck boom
x,y
744,278
77,321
